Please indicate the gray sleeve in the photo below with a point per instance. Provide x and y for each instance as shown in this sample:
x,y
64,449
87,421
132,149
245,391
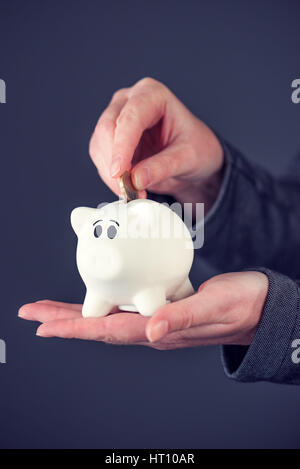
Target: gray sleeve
x,y
255,219
274,354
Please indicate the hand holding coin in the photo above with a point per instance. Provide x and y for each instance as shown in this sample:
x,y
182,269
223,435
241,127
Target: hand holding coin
x,y
128,191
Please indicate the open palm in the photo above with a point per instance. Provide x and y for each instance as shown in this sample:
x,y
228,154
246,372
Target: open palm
x,y
225,310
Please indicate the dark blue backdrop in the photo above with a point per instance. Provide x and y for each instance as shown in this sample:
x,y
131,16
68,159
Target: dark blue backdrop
x,y
232,63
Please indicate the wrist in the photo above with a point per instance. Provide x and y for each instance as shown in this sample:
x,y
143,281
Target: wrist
x,y
201,191
205,182
258,287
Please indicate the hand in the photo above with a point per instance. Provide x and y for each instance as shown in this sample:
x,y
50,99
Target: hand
x,y
147,128
225,310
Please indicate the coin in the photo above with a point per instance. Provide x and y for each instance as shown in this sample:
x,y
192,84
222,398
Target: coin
x,y
129,192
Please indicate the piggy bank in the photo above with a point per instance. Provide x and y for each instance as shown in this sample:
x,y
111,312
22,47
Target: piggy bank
x,y
134,255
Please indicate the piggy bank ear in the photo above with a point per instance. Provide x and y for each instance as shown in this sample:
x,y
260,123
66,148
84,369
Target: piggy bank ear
x,y
78,217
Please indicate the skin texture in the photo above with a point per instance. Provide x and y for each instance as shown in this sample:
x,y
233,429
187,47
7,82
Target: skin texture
x,y
145,128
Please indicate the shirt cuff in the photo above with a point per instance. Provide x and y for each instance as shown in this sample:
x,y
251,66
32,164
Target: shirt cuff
x,y
264,359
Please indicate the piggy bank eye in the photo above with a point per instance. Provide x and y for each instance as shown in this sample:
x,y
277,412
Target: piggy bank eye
x,y
98,231
111,232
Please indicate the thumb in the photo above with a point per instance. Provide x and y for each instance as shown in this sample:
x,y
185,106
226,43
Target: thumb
x,y
175,160
182,314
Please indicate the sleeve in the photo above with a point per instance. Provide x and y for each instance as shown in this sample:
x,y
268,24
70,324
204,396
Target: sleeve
x,y
274,354
255,219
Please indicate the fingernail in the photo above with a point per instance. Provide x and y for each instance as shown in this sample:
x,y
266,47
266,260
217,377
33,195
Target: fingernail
x,y
158,331
142,178
22,313
40,332
115,167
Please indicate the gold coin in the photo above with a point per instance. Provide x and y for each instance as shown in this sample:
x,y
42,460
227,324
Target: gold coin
x,y
129,192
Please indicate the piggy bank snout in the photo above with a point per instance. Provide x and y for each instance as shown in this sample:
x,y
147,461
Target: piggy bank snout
x,y
104,262
108,262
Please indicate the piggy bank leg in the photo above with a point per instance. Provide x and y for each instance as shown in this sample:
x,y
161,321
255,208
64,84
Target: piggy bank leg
x,y
149,300
186,289
94,306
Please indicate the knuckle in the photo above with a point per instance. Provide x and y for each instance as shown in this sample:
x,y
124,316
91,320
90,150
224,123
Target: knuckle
x,y
119,94
128,115
147,81
205,286
149,84
186,319
106,123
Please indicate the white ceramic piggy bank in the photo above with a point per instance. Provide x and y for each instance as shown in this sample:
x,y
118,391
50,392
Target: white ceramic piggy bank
x,y
134,255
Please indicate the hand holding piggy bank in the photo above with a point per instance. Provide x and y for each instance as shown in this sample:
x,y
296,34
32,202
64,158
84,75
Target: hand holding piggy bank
x,y
134,255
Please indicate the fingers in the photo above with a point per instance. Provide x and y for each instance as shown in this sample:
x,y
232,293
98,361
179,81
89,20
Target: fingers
x,y
43,311
60,304
122,328
107,120
102,139
144,108
120,129
199,309
175,160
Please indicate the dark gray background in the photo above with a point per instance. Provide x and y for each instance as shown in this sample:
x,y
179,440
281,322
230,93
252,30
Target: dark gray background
x,y
232,63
